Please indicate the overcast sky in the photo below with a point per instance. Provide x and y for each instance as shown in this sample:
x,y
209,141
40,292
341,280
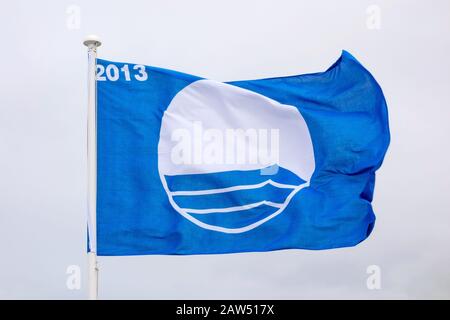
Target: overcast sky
x,y
43,140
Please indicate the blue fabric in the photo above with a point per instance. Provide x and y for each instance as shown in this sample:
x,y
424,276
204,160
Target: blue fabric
x,y
346,114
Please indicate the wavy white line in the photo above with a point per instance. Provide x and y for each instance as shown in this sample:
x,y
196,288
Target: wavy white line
x,y
233,188
236,208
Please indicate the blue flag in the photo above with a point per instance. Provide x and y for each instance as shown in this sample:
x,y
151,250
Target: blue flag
x,y
188,165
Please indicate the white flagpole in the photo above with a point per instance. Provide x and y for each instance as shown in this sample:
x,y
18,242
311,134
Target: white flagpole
x,y
92,42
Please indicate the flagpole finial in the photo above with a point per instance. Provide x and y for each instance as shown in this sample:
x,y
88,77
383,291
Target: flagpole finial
x,y
92,41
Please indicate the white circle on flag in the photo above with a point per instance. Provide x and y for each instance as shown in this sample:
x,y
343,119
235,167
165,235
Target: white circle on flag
x,y
212,131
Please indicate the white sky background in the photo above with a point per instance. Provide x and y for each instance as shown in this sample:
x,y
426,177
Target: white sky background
x,y
43,141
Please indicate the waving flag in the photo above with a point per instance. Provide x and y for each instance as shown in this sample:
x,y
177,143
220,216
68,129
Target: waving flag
x,y
188,165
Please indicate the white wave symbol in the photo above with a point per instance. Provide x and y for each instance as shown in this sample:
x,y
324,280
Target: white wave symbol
x,y
232,197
